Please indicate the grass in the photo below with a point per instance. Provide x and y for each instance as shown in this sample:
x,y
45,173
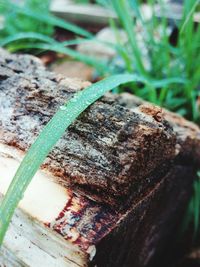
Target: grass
x,y
33,16
48,138
195,202
170,79
192,216
165,59
162,58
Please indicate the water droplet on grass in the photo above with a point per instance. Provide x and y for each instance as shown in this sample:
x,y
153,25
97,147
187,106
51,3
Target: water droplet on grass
x,y
63,107
74,99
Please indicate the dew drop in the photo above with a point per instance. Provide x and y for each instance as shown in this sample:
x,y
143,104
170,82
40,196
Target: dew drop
x,y
88,103
63,107
74,99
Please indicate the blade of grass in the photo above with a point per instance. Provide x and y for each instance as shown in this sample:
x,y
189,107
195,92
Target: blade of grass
x,y
38,36
168,81
48,19
196,206
101,66
122,52
189,15
192,214
25,35
123,11
53,45
41,37
48,138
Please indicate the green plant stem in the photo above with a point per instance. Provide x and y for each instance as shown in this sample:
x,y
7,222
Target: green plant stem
x,y
122,10
123,53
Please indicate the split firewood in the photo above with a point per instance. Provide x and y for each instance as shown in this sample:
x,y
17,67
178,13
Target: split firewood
x,y
113,189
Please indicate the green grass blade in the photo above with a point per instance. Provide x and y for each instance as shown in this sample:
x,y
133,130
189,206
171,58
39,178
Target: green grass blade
x,y
48,138
50,135
189,15
49,19
123,11
122,51
193,210
51,44
134,4
56,22
101,66
41,37
196,206
25,35
168,81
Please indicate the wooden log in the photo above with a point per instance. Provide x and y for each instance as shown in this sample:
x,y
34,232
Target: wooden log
x,y
98,15
112,191
103,152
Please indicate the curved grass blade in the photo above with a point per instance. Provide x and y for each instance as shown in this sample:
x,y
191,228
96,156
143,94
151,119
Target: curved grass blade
x,y
38,37
51,44
168,81
101,66
41,37
48,138
48,19
26,35
56,22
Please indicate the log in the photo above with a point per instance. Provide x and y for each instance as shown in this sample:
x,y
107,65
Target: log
x,y
98,15
103,152
113,189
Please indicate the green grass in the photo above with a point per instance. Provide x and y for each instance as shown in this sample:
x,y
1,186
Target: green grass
x,y
170,79
164,59
16,21
48,138
192,216
33,16
195,202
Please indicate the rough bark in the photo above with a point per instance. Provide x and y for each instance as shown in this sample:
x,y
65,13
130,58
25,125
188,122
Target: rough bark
x,y
105,151
136,158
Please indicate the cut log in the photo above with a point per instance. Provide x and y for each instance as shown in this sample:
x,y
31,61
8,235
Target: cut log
x,y
97,15
112,190
103,152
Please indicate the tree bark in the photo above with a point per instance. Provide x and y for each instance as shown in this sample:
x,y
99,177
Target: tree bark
x,y
127,166
107,152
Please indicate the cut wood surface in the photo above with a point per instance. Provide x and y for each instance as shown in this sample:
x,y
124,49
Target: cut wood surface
x,y
114,187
